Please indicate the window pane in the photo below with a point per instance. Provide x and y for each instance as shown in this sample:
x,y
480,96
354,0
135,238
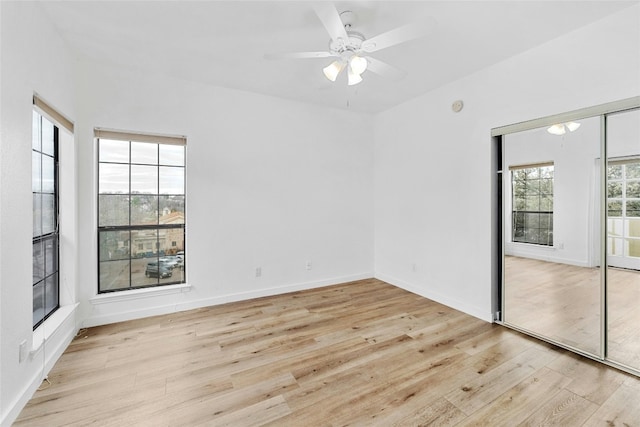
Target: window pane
x,y
614,172
546,203
37,214
113,178
532,220
114,210
633,170
614,227
615,247
114,151
144,153
614,189
38,261
48,213
48,174
533,187
171,155
51,255
47,137
171,209
171,180
144,243
532,203
147,271
114,275
51,294
38,302
532,173
633,208
633,228
35,137
36,182
633,190
114,245
144,179
546,172
546,186
633,248
614,208
144,210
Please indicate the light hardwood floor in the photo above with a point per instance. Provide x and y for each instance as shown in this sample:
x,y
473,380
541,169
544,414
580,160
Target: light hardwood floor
x,y
562,302
360,354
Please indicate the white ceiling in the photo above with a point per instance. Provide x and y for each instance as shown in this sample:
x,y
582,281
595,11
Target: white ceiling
x,y
223,42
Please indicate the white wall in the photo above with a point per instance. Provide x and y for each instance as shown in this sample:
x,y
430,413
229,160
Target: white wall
x,y
270,183
34,59
433,168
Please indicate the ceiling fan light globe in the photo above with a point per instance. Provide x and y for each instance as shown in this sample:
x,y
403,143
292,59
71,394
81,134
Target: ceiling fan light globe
x,y
354,78
332,70
557,129
358,64
572,126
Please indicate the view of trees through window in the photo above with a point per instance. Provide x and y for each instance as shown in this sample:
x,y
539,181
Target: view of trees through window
x,y
532,204
141,214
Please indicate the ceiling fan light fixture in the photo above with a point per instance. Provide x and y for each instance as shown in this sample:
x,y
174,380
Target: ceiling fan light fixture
x,y
354,78
557,129
358,64
572,126
332,70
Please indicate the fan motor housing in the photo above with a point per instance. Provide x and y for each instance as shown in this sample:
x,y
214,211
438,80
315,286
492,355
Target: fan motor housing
x,y
352,44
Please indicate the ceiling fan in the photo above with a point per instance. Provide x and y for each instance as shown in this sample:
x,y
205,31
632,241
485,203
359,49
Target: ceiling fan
x,y
351,48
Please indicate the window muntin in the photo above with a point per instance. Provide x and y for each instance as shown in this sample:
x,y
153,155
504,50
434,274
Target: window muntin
x,y
141,213
532,204
46,239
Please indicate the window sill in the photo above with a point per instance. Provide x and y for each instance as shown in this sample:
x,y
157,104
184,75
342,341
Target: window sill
x,y
134,294
50,326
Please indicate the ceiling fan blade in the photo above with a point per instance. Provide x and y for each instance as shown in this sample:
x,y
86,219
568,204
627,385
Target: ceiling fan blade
x,y
330,18
383,69
396,36
298,55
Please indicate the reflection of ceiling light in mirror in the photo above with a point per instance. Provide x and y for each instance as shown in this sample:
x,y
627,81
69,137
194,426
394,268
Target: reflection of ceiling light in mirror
x,y
561,128
572,126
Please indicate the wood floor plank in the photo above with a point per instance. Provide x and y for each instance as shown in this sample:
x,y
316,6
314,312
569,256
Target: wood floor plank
x,y
563,409
362,353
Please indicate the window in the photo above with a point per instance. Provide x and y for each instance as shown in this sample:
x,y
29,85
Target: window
x,y
141,210
44,179
623,208
532,204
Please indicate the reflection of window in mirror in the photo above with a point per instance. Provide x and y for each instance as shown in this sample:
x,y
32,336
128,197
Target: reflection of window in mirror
x,y
532,204
623,207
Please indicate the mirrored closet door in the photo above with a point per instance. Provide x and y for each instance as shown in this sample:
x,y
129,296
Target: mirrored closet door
x,y
569,198
623,238
551,266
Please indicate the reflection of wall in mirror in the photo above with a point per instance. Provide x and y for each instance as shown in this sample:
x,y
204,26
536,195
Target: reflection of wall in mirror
x,y
575,189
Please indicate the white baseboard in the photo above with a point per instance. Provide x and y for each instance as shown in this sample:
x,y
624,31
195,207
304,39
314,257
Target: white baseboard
x,y
121,316
437,297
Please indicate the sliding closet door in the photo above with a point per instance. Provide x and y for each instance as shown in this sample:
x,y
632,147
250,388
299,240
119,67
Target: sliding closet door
x,y
551,219
623,238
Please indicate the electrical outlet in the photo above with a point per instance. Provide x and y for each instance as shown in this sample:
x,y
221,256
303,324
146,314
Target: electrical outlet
x,y
23,351
258,271
308,265
414,267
